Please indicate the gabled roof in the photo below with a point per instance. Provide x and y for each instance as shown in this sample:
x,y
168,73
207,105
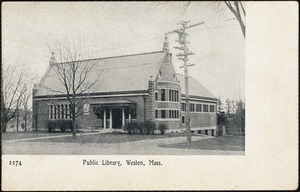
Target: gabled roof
x,y
121,73
195,88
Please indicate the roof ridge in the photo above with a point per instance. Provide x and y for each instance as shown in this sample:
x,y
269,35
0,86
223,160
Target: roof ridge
x,y
111,57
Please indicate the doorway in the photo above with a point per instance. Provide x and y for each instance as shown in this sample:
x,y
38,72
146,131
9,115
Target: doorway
x,y
117,118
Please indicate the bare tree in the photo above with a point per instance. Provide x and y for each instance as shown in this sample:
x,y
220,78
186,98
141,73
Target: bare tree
x,y
235,7
12,92
25,99
239,12
73,66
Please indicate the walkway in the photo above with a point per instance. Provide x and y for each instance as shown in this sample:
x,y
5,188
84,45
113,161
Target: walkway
x,y
142,147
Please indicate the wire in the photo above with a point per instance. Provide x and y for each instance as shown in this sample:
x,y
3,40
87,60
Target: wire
x,y
127,45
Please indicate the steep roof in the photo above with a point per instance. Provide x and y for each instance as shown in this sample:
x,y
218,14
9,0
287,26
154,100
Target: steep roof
x,y
195,88
121,73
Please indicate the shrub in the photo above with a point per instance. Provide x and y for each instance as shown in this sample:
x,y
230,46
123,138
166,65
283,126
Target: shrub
x,y
132,127
51,126
63,125
162,128
141,128
149,127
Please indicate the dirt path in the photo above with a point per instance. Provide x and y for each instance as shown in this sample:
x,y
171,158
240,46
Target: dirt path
x,y
143,147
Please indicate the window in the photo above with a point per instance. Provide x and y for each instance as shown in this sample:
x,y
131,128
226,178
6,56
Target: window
x,y
173,95
62,111
59,111
211,108
183,106
156,96
173,114
163,114
86,109
66,112
163,95
198,107
183,119
156,113
205,108
69,111
192,107
50,111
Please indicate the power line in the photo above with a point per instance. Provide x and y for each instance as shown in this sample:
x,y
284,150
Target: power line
x,y
127,45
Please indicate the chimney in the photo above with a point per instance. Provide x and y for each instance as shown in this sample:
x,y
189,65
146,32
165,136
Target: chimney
x,y
52,59
166,45
166,49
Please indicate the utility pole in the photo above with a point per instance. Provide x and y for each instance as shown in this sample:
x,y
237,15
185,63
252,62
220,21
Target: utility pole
x,y
184,56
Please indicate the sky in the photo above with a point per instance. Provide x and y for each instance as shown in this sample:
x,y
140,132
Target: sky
x,y
121,28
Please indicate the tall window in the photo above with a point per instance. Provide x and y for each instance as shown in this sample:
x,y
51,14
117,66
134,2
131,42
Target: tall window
x,y
183,106
211,108
62,111
156,96
183,119
163,94
173,95
51,111
205,108
163,114
66,112
192,107
59,111
198,107
173,114
156,113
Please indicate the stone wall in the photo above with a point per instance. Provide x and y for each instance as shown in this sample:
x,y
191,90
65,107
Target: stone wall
x,y
150,113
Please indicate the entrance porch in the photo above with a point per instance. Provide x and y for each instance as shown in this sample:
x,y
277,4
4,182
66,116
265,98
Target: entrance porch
x,y
115,114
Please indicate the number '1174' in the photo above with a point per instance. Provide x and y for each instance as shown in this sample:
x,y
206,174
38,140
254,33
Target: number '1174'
x,y
15,163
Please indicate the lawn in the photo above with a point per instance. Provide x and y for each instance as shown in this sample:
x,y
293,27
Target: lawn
x,y
95,138
30,134
231,143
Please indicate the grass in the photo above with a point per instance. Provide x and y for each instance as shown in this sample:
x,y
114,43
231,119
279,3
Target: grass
x,y
95,138
232,143
29,134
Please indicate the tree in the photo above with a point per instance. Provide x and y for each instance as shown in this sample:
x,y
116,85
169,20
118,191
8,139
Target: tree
x,y
72,66
27,119
239,116
14,87
235,7
220,107
228,107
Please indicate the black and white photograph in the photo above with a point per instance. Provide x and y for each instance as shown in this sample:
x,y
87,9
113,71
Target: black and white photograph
x,y
128,86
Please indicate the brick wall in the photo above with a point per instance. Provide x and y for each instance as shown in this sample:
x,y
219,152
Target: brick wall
x,y
84,121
